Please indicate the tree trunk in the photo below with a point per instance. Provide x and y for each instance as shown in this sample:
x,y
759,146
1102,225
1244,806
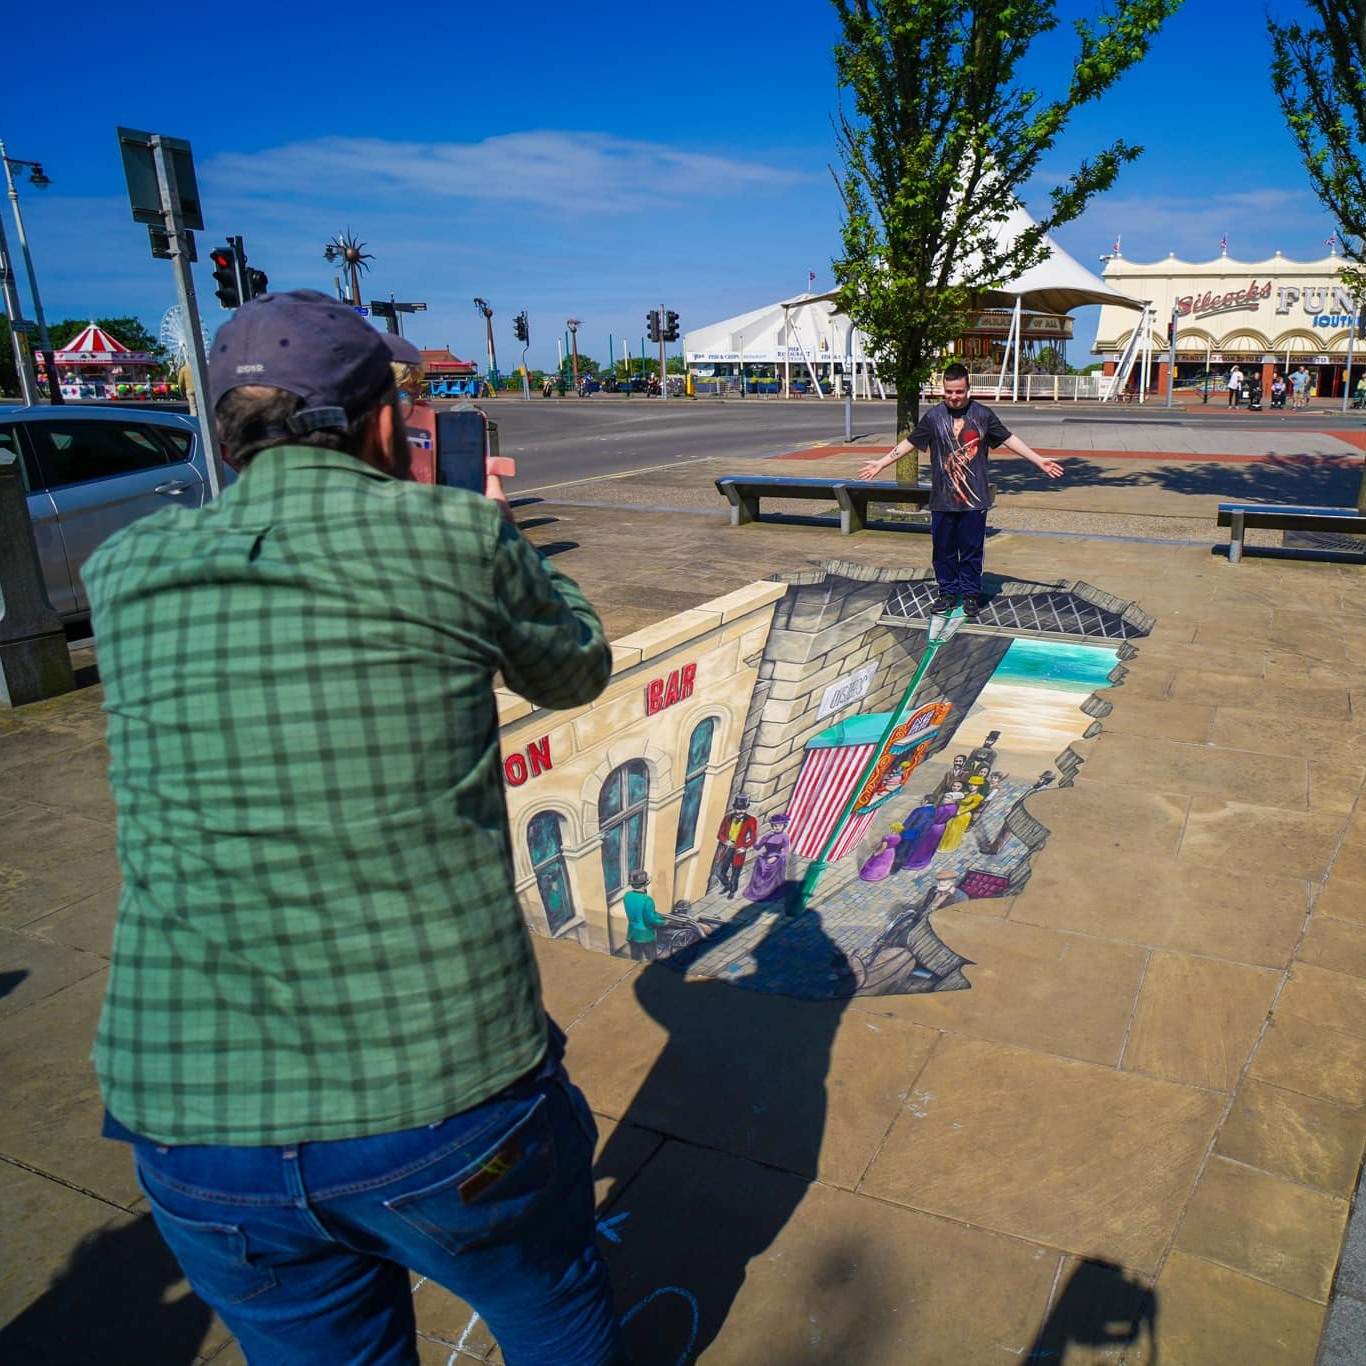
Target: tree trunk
x,y
907,416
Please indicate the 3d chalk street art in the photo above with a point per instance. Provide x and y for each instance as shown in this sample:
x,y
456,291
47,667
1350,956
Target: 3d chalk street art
x,y
816,765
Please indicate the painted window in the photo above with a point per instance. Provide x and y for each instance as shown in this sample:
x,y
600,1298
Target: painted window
x,y
545,843
622,808
699,755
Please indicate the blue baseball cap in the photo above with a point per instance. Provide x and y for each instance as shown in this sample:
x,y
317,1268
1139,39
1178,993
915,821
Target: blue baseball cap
x,y
311,345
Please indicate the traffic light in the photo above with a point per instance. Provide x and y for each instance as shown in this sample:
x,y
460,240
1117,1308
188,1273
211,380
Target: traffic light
x,y
225,274
671,326
520,329
257,283
652,325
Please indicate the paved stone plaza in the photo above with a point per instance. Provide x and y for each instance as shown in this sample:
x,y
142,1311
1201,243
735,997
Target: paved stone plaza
x,y
1136,1138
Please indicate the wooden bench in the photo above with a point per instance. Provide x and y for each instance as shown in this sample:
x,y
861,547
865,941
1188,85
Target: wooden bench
x,y
1238,517
851,495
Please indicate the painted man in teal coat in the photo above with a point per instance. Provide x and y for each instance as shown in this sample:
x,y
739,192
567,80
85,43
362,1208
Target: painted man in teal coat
x,y
642,920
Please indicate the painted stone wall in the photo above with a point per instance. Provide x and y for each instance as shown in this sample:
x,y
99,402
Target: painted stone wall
x,y
826,630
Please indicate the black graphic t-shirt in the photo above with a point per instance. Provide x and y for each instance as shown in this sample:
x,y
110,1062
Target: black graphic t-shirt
x,y
958,459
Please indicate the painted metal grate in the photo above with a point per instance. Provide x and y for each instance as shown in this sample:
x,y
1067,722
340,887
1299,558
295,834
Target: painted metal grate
x,y
1045,611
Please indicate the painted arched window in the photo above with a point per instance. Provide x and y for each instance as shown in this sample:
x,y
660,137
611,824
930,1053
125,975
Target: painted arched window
x,y
699,756
622,809
545,844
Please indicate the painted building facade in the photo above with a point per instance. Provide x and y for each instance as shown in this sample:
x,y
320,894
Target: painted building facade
x,y
641,779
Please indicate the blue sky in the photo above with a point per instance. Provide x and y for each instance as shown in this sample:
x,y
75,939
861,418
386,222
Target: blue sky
x,y
587,165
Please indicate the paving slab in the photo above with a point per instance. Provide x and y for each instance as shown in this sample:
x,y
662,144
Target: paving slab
x,y
1211,1316
1082,1158
1198,1019
1299,1138
1274,1230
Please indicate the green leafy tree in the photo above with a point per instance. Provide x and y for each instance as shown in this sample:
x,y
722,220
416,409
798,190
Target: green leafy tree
x,y
938,143
1319,74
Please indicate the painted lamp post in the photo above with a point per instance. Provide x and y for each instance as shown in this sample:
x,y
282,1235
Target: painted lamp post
x,y
942,630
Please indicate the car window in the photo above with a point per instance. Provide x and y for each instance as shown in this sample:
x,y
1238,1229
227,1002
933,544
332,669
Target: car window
x,y
9,445
178,440
74,452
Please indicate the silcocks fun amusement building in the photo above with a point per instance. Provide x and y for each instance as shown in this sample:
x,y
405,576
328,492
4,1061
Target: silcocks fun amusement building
x,y
1263,316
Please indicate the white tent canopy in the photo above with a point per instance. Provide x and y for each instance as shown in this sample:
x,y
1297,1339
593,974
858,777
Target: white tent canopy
x,y
808,323
810,327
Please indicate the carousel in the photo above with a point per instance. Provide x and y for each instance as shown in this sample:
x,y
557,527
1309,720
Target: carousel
x,y
96,365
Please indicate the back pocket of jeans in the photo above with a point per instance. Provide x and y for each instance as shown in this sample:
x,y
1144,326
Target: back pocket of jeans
x,y
214,1257
479,1197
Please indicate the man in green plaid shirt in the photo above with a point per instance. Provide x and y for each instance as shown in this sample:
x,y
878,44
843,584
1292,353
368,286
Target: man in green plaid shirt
x,y
323,1031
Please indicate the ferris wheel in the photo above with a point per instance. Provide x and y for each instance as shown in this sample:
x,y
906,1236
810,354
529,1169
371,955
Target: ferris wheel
x,y
175,338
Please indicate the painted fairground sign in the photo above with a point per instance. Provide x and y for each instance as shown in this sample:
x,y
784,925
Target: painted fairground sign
x,y
797,788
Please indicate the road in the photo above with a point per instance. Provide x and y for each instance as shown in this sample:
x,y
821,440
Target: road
x,y
557,441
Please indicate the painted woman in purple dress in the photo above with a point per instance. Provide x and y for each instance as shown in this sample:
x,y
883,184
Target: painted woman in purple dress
x,y
768,872
927,842
880,864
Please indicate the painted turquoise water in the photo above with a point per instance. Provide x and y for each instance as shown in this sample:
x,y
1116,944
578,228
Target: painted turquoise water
x,y
1056,664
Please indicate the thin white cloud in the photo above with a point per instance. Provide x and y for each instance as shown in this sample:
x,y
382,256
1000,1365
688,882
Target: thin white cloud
x,y
1257,222
563,172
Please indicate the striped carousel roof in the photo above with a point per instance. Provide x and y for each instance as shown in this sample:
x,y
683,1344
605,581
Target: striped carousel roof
x,y
94,341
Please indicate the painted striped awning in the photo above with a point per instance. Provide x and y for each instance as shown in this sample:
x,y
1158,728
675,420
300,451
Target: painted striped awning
x,y
827,780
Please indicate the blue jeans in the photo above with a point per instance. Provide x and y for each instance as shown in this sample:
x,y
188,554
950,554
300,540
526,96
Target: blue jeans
x,y
958,543
303,1250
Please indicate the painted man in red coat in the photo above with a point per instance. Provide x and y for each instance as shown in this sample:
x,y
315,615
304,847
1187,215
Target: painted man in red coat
x,y
734,839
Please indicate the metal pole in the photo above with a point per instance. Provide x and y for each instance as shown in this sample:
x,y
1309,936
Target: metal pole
x,y
23,363
1171,360
189,310
1351,341
741,367
1015,378
663,378
849,382
54,390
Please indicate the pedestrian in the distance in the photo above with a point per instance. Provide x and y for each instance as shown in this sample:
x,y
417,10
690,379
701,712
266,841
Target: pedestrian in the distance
x,y
1235,387
323,1031
958,433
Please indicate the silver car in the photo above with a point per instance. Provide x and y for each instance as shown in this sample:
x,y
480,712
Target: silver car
x,y
89,470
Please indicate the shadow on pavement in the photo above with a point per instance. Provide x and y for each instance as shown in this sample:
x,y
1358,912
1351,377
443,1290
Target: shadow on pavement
x,y
1100,1306
110,1304
1296,479
9,981
739,1095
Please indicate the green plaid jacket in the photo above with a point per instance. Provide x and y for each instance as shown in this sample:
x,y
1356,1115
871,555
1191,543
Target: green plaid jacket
x,y
318,935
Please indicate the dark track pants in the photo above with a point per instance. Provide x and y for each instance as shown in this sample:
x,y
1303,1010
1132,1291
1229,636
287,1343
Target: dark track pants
x,y
959,541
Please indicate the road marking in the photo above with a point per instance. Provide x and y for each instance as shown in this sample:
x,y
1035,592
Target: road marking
x,y
624,474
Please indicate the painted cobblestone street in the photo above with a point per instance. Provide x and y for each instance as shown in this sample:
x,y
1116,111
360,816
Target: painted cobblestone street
x,y
851,915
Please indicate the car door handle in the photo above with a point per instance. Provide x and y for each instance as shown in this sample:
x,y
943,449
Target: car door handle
x,y
173,486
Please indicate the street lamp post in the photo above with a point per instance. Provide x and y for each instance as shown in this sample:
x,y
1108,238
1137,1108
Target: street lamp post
x,y
573,325
486,309
23,363
942,629
37,178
